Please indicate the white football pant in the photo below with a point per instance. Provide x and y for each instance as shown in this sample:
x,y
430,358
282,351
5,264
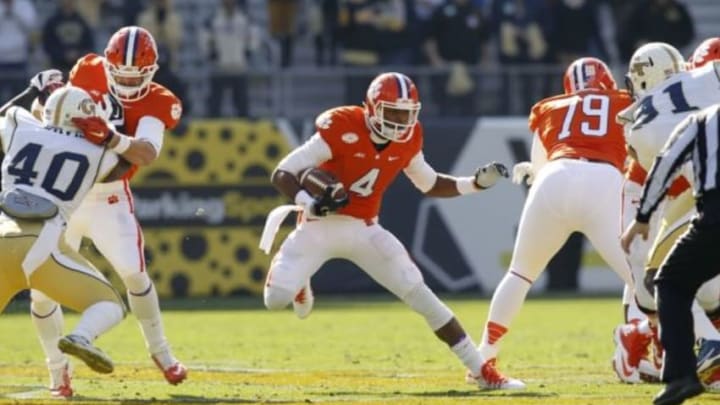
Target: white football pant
x,y
568,196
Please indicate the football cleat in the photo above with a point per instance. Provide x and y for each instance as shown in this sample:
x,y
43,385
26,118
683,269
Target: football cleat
x,y
491,379
648,372
303,302
60,382
712,383
81,348
175,373
708,363
630,347
657,348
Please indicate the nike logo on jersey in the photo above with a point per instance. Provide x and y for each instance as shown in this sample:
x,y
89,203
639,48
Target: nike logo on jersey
x,y
391,158
359,155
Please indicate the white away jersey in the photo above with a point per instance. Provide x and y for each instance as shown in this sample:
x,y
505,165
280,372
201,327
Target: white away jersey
x,y
661,109
55,164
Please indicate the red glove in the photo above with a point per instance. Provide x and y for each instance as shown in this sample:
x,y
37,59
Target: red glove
x,y
95,129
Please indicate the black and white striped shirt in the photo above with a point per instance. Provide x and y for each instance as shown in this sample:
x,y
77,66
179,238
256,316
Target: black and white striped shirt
x,y
695,139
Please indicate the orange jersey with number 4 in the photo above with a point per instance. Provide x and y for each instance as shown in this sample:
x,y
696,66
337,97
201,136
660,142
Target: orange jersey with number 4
x,y
364,172
582,125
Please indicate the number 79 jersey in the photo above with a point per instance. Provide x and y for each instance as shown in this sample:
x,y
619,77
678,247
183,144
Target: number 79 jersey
x,y
582,125
663,107
58,165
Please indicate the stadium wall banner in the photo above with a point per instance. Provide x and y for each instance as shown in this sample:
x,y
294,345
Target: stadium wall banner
x,y
203,203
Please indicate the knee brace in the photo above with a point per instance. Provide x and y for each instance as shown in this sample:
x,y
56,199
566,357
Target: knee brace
x,y
138,284
427,304
277,298
41,305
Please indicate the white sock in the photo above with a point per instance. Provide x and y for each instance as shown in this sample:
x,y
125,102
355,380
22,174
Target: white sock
x,y
633,311
47,317
704,328
147,311
506,303
468,354
98,319
644,327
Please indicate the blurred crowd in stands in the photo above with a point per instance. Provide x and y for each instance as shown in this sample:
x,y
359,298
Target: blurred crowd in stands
x,y
227,38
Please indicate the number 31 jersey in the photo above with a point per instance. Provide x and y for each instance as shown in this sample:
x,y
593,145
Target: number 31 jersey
x,y
364,172
51,163
662,108
582,125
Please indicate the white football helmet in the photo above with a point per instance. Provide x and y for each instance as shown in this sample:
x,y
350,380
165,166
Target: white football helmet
x,y
67,103
652,64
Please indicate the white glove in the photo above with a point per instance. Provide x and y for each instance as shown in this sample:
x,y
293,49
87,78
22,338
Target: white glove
x,y
488,175
523,171
47,80
307,202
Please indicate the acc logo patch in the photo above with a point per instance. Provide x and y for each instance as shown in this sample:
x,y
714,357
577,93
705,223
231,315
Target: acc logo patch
x,y
176,111
350,137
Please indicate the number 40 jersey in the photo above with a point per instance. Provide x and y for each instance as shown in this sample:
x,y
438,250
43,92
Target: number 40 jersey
x,y
49,162
668,103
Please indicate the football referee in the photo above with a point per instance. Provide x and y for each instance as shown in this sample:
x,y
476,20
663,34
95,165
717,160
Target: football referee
x,y
695,257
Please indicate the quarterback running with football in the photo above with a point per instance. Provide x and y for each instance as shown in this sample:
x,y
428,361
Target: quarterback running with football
x,y
47,170
576,171
365,148
137,112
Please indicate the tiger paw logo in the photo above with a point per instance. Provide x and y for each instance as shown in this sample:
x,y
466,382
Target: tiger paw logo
x,y
324,121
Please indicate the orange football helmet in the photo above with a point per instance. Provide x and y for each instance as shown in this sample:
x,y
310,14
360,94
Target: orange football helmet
x,y
130,63
392,105
588,73
706,52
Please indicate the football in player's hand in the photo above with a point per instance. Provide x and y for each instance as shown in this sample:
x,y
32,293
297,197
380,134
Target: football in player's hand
x,y
315,181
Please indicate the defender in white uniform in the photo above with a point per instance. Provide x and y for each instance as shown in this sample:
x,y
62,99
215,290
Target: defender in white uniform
x,y
47,170
666,94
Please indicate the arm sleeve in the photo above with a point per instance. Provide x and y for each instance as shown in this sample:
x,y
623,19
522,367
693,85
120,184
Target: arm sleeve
x,y
310,154
420,173
668,163
151,130
538,154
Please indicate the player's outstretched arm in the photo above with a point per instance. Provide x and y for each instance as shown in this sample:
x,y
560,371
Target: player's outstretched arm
x,y
40,87
434,184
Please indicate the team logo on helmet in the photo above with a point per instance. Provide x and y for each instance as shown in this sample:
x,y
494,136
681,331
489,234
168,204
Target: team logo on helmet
x,y
87,106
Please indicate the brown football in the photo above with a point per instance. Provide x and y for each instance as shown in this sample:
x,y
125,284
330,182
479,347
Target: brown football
x,y
315,180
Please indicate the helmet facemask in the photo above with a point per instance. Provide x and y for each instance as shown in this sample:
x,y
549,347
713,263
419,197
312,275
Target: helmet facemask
x,y
129,83
394,121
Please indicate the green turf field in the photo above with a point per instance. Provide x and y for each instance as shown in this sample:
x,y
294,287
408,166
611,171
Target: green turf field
x,y
348,351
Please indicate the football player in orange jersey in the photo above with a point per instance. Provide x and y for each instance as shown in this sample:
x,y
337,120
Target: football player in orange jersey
x,y
576,170
139,110
366,148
